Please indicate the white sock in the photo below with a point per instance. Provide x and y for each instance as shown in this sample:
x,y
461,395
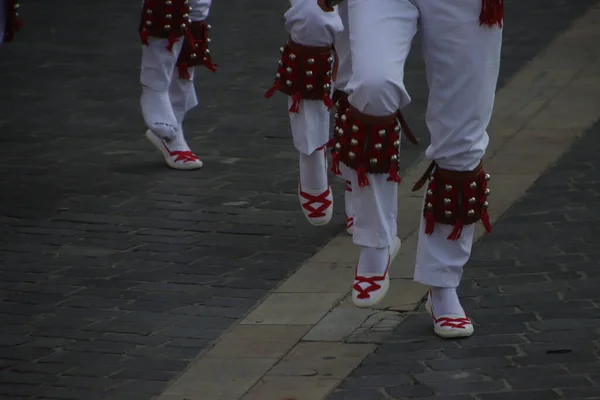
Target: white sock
x,y
313,171
158,113
373,261
178,142
445,301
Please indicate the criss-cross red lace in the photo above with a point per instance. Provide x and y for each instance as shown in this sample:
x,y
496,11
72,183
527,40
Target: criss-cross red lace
x,y
348,186
364,293
349,222
312,200
456,323
185,156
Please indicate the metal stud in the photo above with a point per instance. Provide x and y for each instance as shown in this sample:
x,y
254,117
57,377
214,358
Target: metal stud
x,y
206,52
289,70
471,213
149,23
167,27
448,213
351,155
354,128
354,142
280,63
429,206
326,86
341,132
378,146
208,27
207,41
373,161
288,83
487,177
330,59
448,188
394,158
396,143
485,205
309,87
329,73
473,185
310,61
309,73
168,16
292,56
447,201
429,192
343,118
281,49
338,146
336,115
149,11
193,56
397,128
486,192
472,200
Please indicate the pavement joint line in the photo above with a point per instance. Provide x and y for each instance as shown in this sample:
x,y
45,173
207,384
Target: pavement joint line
x,y
544,118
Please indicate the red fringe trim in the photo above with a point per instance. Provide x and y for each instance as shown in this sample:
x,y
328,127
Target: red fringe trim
x,y
296,99
492,13
429,223
363,180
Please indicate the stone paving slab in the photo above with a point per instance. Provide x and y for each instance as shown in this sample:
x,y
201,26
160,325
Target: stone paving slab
x,y
111,286
531,289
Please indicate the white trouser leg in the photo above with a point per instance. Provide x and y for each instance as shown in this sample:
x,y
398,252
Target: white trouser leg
x,y
462,63
308,25
381,32
200,9
182,94
342,47
156,72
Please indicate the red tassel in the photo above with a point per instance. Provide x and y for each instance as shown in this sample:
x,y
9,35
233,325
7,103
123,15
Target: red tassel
x,y
394,177
429,223
485,219
363,180
184,72
492,13
269,93
144,36
457,231
210,65
172,41
335,163
296,99
328,102
330,143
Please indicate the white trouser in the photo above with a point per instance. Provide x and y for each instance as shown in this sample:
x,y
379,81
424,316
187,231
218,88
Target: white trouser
x,y
462,62
308,25
159,74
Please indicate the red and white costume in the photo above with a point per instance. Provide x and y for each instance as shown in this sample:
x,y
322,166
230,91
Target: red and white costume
x,y
461,46
175,40
9,20
307,73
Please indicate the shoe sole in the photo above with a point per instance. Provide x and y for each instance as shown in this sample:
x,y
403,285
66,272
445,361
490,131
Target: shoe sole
x,y
157,142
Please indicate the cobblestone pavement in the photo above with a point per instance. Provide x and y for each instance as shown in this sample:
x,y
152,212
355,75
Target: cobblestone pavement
x,y
532,289
116,272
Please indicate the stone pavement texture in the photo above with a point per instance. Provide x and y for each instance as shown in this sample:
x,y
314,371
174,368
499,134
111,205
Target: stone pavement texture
x,y
115,272
532,289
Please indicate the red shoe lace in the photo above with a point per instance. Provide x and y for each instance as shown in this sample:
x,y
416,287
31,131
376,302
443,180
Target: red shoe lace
x,y
455,323
372,281
349,222
316,212
185,156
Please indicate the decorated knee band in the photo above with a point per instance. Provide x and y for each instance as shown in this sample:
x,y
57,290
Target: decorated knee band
x,y
366,144
305,73
455,198
13,23
165,19
194,50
